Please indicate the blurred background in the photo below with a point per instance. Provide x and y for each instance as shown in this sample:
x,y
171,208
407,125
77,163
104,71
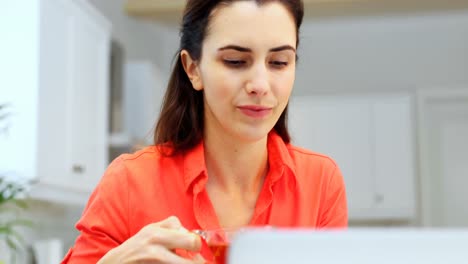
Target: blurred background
x,y
381,86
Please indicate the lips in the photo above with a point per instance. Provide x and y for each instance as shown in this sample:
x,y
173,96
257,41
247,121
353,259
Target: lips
x,y
255,111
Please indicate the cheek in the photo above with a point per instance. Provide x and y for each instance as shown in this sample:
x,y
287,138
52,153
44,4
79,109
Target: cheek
x,y
284,86
220,86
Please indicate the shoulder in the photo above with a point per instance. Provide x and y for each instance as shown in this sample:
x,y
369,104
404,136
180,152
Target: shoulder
x,y
141,155
313,169
142,166
304,158
147,158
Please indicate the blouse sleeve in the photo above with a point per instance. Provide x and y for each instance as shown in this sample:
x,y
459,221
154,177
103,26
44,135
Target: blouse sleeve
x,y
335,213
104,223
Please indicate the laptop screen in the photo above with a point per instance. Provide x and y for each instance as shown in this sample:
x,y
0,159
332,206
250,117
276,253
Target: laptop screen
x,y
363,246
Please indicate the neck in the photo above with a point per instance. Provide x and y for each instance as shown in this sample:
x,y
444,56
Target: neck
x,y
236,167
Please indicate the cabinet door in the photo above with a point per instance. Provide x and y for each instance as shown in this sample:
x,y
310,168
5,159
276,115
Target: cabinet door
x,y
371,139
341,129
55,90
394,157
87,142
74,88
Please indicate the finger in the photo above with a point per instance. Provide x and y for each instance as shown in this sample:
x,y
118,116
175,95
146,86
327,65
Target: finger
x,y
195,257
163,255
171,222
176,239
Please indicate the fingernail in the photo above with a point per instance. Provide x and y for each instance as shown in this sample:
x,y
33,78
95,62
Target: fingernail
x,y
183,230
197,243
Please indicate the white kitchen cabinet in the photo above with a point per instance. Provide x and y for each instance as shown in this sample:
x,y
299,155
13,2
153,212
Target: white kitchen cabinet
x,y
55,80
371,139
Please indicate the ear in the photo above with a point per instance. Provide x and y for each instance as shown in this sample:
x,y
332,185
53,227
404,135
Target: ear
x,y
192,70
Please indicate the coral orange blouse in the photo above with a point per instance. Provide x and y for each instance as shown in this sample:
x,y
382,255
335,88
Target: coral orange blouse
x,y
301,189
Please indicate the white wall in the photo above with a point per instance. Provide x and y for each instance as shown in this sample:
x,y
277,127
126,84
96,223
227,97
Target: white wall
x,y
14,66
384,53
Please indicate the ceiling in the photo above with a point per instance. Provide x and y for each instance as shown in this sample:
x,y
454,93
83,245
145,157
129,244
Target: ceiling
x,y
171,10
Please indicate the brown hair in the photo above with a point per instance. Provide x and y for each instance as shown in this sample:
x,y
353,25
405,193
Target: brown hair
x,y
181,121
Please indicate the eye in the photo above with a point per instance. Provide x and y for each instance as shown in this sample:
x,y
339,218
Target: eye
x,y
234,63
279,64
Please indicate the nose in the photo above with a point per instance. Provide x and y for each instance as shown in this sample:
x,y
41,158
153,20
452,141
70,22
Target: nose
x,y
258,83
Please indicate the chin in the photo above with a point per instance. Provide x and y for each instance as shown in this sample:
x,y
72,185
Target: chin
x,y
252,135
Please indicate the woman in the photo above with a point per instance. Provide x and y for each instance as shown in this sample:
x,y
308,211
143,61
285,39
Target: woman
x,y
222,156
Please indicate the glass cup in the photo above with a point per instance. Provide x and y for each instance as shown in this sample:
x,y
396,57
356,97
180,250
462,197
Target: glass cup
x,y
218,241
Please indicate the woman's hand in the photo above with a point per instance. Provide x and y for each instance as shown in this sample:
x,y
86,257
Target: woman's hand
x,y
155,244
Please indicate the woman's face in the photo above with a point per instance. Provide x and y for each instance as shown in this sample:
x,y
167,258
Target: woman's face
x,y
247,69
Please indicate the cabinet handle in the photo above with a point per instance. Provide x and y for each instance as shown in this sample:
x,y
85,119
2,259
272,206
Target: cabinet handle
x,y
34,180
78,168
378,198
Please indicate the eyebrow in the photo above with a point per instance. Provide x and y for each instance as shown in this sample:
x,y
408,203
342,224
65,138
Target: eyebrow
x,y
244,49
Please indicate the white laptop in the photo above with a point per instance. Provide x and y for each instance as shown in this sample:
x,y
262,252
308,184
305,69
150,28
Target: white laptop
x,y
360,246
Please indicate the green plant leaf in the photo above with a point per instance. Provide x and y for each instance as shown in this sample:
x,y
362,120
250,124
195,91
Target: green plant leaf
x,y
3,105
4,116
11,206
11,244
5,230
19,238
8,209
9,193
20,203
19,222
13,247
